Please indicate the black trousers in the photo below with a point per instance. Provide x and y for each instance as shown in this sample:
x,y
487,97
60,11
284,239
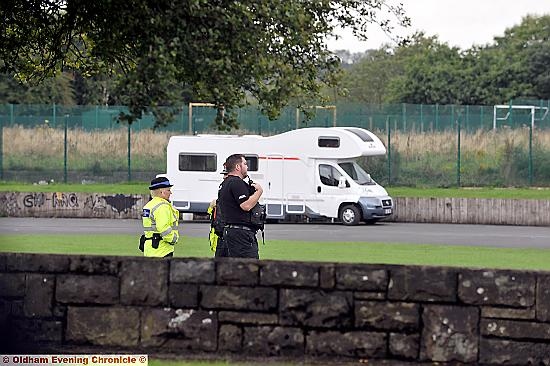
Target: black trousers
x,y
238,243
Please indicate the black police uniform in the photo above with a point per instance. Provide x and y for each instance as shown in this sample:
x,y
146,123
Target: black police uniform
x,y
239,237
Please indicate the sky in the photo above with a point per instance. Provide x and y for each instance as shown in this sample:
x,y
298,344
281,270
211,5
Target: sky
x,y
460,23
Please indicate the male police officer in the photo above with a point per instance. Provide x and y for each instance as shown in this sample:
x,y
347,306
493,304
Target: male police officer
x,y
235,201
160,221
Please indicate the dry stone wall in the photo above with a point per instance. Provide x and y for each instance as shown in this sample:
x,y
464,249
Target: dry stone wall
x,y
250,309
440,210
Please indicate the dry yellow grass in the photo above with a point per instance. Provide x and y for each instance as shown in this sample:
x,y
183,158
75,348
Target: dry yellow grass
x,y
103,145
99,144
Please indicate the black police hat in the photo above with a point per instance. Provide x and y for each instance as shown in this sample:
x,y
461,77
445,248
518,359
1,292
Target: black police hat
x,y
160,182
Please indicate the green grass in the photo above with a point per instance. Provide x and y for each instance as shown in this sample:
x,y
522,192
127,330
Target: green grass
x,y
341,252
141,188
123,188
514,193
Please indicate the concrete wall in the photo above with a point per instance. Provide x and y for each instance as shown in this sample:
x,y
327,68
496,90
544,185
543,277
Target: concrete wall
x,y
442,210
249,309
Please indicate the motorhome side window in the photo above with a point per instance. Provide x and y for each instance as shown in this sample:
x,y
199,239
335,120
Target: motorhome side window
x,y
329,175
329,142
252,161
197,162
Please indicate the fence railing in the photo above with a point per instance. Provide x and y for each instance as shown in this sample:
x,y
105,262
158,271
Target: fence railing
x,y
428,145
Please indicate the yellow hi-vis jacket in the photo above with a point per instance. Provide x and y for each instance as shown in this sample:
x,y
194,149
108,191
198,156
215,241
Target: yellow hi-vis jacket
x,y
212,236
159,216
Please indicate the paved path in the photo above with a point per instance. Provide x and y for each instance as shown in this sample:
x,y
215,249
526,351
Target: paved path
x,y
389,232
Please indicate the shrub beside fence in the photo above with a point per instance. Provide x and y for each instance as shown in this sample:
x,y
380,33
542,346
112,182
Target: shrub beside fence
x,y
428,145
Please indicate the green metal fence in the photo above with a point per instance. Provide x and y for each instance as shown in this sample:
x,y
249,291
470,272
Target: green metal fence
x,y
428,145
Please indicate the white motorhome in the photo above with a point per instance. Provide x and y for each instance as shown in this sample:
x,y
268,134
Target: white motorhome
x,y
310,172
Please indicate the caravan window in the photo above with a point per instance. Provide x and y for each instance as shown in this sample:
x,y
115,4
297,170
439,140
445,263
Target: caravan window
x,y
252,161
329,175
329,142
197,162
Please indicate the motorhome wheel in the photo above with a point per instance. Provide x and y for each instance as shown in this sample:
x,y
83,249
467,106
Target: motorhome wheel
x,y
350,215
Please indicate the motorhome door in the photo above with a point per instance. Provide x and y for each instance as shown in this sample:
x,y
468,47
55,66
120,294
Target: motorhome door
x,y
274,190
329,189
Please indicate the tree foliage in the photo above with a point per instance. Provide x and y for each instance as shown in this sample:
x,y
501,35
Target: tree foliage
x,y
219,50
428,71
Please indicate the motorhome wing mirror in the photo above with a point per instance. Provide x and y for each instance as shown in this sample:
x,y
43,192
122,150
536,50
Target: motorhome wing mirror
x,y
342,182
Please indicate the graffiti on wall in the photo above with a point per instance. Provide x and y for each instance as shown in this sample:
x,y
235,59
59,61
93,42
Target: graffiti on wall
x,y
9,203
91,205
121,203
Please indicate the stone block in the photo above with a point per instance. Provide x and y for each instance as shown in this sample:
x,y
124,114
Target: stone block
x,y
94,265
230,338
422,284
12,284
192,271
361,278
103,326
327,276
87,289
31,331
273,341
49,263
238,298
543,298
364,295
515,329
404,345
297,274
315,308
3,262
237,317
183,296
507,313
179,329
397,316
450,333
39,295
503,352
237,273
144,282
495,287
354,344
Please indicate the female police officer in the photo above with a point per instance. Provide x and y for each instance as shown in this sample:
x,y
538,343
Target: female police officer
x,y
160,221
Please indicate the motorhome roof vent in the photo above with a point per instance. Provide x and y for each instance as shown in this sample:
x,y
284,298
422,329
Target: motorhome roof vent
x,y
327,141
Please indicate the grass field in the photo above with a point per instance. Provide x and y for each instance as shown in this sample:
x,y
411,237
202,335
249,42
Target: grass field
x,y
341,252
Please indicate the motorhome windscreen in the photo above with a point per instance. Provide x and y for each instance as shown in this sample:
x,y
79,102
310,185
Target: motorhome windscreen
x,y
357,173
361,134
197,162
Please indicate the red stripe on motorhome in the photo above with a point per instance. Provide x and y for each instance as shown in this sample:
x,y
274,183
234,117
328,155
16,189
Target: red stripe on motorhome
x,y
277,158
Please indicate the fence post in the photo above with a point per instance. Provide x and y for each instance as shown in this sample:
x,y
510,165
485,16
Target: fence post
x,y
404,117
531,148
458,153
64,150
2,148
129,155
388,127
436,117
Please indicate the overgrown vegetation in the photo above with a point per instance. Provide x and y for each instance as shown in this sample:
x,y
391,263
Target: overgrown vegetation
x,y
495,158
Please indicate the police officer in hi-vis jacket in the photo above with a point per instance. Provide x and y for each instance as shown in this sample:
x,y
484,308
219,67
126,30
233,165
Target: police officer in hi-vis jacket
x,y
160,221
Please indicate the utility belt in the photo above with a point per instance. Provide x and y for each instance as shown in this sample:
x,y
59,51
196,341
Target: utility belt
x,y
242,227
155,241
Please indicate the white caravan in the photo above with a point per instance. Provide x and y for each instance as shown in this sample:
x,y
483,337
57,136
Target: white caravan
x,y
309,171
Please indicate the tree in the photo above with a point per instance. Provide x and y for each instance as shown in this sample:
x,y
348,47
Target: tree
x,y
219,49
